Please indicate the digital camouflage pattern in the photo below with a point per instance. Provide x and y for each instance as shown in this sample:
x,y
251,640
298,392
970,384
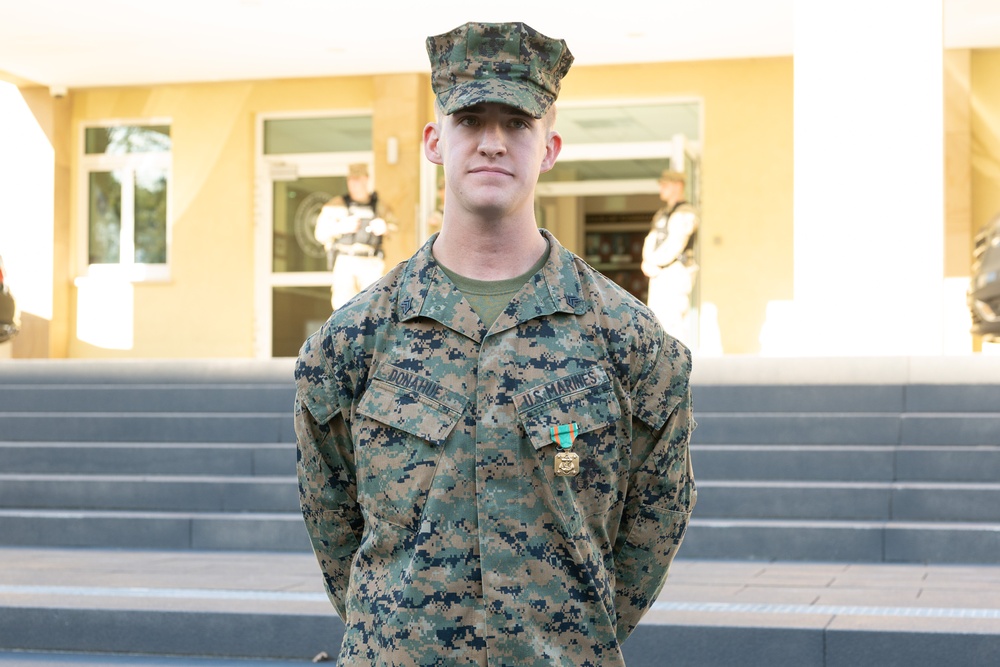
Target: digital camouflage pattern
x,y
509,63
426,468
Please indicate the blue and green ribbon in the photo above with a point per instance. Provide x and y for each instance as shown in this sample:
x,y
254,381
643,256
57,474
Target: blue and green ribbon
x,y
564,434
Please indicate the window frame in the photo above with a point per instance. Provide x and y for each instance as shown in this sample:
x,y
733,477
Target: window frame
x,y
126,269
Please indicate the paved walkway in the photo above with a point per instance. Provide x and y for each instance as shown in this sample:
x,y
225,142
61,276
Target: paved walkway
x,y
938,598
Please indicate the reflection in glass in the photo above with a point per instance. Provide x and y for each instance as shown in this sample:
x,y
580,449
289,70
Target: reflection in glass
x,y
105,218
629,123
150,216
122,139
297,313
606,170
296,206
318,135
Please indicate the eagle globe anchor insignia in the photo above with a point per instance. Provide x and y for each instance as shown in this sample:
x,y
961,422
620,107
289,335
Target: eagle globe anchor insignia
x,y
566,461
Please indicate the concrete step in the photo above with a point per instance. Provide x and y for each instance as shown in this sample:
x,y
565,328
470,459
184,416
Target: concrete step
x,y
860,463
146,371
849,501
49,659
151,493
812,398
843,541
124,605
708,538
250,531
163,427
820,398
971,463
143,458
57,398
848,429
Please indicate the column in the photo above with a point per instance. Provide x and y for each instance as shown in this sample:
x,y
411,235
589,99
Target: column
x,y
869,166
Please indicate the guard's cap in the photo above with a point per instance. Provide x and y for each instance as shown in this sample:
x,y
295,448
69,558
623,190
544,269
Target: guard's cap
x,y
509,63
671,175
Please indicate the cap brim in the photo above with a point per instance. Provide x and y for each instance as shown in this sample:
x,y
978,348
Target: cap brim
x,y
515,94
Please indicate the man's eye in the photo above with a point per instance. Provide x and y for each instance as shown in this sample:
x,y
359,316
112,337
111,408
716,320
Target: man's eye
x,y
519,123
469,121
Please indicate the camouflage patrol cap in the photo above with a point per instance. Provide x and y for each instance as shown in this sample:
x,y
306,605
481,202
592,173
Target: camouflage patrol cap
x,y
509,63
357,170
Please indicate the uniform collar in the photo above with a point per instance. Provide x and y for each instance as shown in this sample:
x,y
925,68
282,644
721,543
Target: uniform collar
x,y
425,291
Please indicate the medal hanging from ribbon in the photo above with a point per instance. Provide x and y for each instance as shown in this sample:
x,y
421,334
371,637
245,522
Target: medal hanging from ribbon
x,y
566,461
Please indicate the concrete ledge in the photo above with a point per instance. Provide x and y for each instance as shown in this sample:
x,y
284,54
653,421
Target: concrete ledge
x,y
148,427
275,636
150,493
857,463
821,398
966,369
796,429
194,398
170,633
154,530
131,458
725,646
143,371
844,541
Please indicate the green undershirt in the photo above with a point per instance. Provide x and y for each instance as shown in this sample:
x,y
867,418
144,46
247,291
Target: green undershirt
x,y
489,298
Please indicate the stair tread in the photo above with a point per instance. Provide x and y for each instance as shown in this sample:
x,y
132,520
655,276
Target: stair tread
x,y
289,515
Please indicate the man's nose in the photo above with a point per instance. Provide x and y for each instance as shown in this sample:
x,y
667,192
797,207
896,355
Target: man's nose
x,y
491,142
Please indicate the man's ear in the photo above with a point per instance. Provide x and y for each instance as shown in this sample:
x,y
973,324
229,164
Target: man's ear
x,y
432,143
553,146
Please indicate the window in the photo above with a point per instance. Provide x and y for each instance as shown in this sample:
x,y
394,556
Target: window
x,y
127,171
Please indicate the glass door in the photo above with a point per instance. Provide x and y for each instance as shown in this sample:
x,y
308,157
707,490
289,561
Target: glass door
x,y
294,277
302,164
601,205
300,275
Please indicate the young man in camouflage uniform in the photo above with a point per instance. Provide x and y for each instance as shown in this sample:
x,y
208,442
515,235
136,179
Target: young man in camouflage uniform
x,y
493,438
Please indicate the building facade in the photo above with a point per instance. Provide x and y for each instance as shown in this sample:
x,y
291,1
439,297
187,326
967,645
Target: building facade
x,y
173,221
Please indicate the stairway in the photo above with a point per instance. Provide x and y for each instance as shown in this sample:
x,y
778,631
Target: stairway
x,y
201,455
869,471
800,464
161,455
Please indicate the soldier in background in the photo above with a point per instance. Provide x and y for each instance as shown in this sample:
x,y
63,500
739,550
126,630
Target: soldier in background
x,y
668,256
493,456
351,228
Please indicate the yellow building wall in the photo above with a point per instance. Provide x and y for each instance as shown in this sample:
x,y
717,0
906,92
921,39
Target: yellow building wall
x,y
984,141
957,164
747,186
207,307
985,128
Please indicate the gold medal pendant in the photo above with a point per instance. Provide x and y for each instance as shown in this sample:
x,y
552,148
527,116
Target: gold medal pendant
x,y
567,464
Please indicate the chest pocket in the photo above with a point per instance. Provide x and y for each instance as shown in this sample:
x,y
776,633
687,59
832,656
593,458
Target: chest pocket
x,y
401,423
588,400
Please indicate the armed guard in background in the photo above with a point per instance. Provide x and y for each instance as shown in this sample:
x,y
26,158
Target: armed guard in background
x,y
668,257
351,227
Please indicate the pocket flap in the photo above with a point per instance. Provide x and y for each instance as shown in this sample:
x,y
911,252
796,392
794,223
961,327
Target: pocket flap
x,y
412,403
585,398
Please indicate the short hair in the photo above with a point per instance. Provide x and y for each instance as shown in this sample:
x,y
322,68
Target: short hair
x,y
673,176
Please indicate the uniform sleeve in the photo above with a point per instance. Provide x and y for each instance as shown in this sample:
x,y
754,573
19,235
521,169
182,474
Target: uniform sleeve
x,y
661,491
326,472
